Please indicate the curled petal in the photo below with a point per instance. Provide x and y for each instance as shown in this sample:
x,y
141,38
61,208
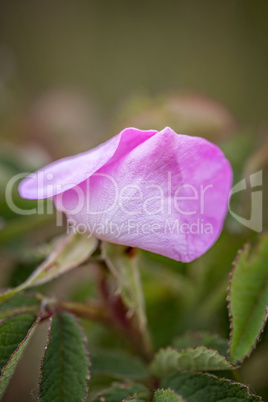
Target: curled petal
x,y
168,195
66,173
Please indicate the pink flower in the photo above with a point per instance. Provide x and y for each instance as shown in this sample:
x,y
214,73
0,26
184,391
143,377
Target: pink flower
x,y
159,191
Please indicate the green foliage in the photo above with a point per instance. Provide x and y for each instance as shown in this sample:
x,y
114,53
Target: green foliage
x,y
119,365
121,391
248,299
142,396
65,366
167,395
20,303
199,338
199,359
15,333
70,251
195,387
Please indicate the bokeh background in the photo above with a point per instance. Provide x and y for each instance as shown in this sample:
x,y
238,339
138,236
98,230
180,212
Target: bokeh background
x,y
74,73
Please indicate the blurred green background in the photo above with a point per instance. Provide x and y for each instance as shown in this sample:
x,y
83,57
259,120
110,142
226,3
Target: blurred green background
x,y
74,73
109,49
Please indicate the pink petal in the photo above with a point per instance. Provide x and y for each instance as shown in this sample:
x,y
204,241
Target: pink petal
x,y
66,173
158,166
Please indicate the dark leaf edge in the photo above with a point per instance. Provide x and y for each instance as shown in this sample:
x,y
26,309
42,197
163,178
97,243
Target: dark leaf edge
x,y
246,248
12,312
85,347
16,313
84,340
38,319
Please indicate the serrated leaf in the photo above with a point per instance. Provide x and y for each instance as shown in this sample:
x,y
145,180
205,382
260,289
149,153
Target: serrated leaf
x,y
134,399
196,387
167,395
120,392
199,359
248,299
138,397
118,365
65,366
19,304
70,251
125,269
201,338
142,396
15,334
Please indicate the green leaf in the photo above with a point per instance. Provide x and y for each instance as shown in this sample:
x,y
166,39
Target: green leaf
x,y
15,333
248,299
134,399
118,365
201,338
167,395
65,366
122,391
139,397
19,304
200,359
124,267
196,387
70,251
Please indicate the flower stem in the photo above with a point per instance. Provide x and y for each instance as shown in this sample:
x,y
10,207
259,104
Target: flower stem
x,y
130,326
91,311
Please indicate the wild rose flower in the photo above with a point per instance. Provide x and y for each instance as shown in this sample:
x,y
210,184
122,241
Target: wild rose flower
x,y
159,191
